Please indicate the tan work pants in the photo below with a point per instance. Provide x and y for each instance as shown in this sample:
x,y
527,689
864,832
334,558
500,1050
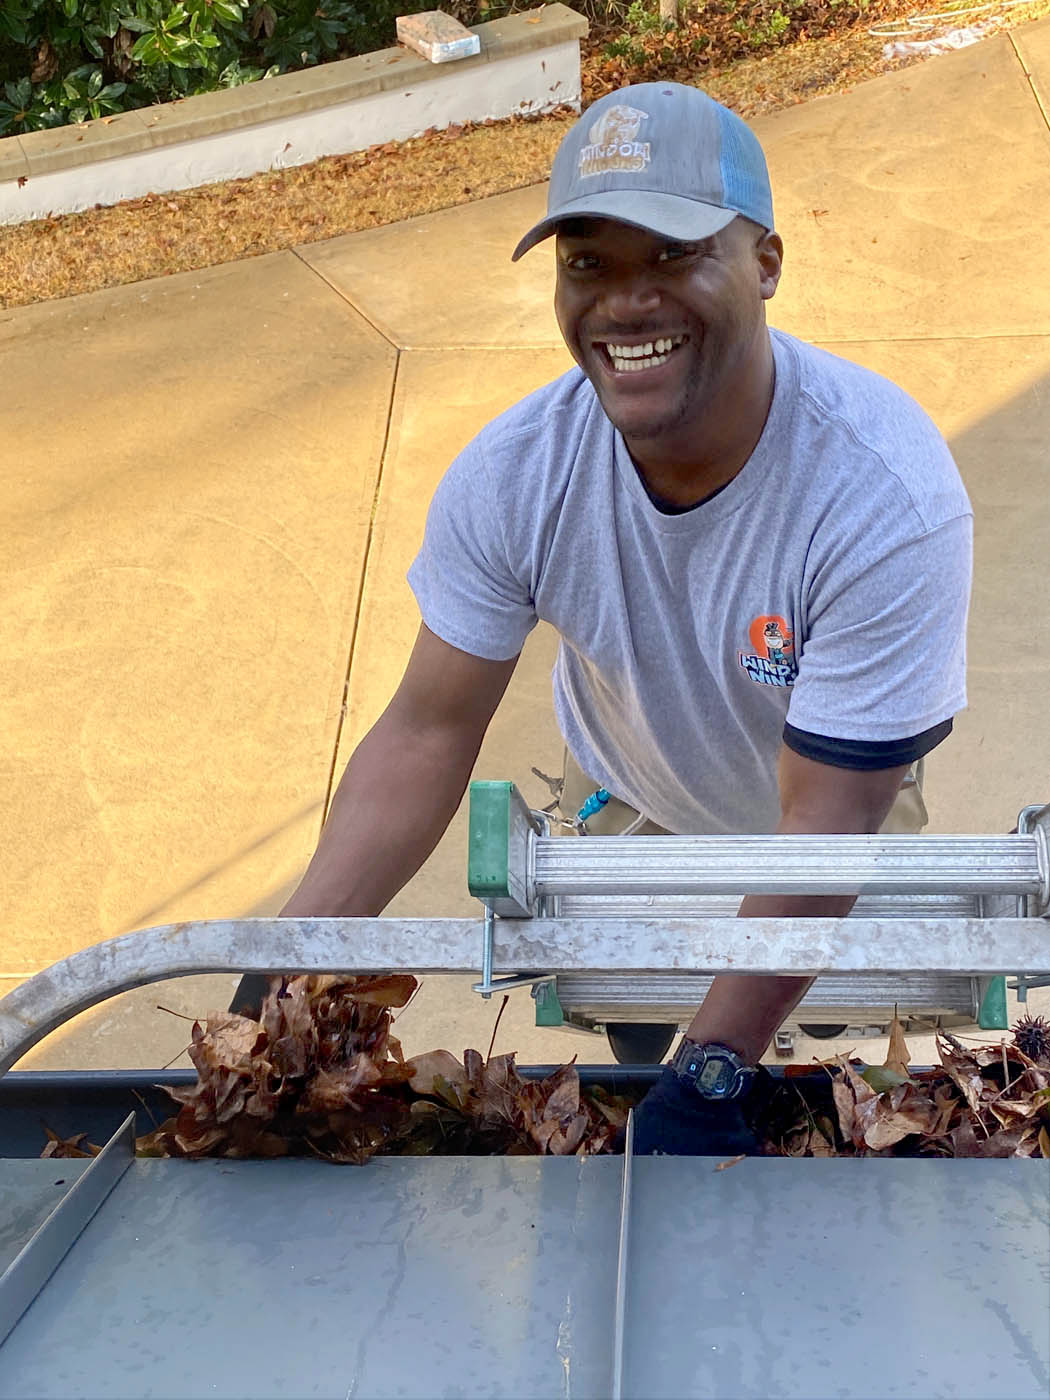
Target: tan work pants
x,y
906,817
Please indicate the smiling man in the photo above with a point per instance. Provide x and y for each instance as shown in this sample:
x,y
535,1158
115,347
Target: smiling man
x,y
757,557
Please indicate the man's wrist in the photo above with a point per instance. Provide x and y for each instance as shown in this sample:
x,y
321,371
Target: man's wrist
x,y
713,1071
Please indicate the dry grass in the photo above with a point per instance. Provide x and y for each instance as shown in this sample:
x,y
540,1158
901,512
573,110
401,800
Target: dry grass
x,y
162,234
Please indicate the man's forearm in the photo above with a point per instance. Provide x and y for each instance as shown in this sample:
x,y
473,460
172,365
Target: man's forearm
x,y
745,1012
398,794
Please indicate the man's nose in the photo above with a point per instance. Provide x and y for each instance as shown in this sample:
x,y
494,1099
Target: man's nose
x,y
629,299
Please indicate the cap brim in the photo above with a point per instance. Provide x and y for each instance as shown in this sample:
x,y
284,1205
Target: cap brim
x,y
667,215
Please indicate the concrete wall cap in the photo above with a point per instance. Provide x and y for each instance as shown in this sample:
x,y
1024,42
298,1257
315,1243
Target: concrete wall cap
x,y
66,147
13,163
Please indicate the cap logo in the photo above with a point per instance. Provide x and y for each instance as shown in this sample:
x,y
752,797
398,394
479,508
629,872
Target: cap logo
x,y
614,144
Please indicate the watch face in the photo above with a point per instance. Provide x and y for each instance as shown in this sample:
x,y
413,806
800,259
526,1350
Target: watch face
x,y
716,1078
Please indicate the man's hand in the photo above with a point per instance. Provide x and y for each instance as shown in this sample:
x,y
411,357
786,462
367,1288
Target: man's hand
x,y
674,1119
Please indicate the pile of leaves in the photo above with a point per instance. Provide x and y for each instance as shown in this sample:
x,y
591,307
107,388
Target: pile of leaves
x,y
990,1101
321,1073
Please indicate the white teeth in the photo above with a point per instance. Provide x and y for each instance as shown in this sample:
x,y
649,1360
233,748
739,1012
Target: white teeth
x,y
647,363
631,357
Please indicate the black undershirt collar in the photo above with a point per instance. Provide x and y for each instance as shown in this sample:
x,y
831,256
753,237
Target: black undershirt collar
x,y
666,507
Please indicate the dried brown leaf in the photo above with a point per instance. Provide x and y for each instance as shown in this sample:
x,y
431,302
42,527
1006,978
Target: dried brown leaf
x,y
562,1092
568,1135
495,1084
393,990
435,1073
946,1104
897,1056
334,1089
862,1092
821,1142
230,1038
198,1145
45,63
159,1143
75,1146
963,1069
614,1113
892,1121
964,1139
1005,1143
231,1097
1008,1111
844,1105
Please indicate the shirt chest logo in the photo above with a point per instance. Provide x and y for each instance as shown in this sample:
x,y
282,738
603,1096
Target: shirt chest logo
x,y
771,660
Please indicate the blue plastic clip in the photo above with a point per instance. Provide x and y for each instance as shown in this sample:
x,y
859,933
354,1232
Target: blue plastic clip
x,y
594,803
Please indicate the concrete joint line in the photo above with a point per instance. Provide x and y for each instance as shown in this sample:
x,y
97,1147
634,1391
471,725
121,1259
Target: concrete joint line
x,y
478,345
344,298
366,557
1028,74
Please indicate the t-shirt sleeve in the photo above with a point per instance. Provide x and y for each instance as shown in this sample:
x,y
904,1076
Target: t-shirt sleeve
x,y
866,755
885,652
464,582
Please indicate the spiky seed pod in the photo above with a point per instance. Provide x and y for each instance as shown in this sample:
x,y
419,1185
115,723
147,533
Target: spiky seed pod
x,y
1032,1038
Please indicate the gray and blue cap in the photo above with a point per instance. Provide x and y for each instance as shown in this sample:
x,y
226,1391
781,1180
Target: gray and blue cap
x,y
662,157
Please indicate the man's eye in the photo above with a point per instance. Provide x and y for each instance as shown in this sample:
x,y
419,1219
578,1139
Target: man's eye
x,y
674,251
582,262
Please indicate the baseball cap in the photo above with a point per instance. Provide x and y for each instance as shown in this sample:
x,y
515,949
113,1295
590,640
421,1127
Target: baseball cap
x,y
661,156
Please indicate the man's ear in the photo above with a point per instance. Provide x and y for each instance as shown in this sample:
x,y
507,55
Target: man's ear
x,y
769,252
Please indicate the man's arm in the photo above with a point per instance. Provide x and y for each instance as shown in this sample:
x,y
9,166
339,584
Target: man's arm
x,y
745,1012
403,783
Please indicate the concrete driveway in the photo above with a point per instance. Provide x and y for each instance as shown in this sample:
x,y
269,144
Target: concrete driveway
x,y
214,483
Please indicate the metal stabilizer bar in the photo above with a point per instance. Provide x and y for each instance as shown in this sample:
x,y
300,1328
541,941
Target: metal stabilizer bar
x,y
533,947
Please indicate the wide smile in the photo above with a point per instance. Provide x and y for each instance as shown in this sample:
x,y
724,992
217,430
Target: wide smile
x,y
640,358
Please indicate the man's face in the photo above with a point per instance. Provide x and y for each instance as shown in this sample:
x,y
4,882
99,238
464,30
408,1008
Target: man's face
x,y
699,306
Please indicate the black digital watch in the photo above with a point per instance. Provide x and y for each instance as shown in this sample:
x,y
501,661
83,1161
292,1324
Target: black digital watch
x,y
714,1071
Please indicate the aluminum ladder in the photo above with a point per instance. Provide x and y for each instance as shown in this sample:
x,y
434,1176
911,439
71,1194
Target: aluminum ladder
x,y
974,906
520,872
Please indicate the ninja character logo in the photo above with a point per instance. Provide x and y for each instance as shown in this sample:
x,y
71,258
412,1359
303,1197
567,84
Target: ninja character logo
x,y
771,660
778,644
614,143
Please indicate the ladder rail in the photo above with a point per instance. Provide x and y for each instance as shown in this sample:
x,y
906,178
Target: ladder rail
x,y
538,947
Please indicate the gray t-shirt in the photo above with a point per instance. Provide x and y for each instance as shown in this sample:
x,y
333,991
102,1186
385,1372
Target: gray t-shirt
x,y
825,586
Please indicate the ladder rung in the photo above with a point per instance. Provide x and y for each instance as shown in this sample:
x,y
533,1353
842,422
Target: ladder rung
x,y
695,865
713,906
675,996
